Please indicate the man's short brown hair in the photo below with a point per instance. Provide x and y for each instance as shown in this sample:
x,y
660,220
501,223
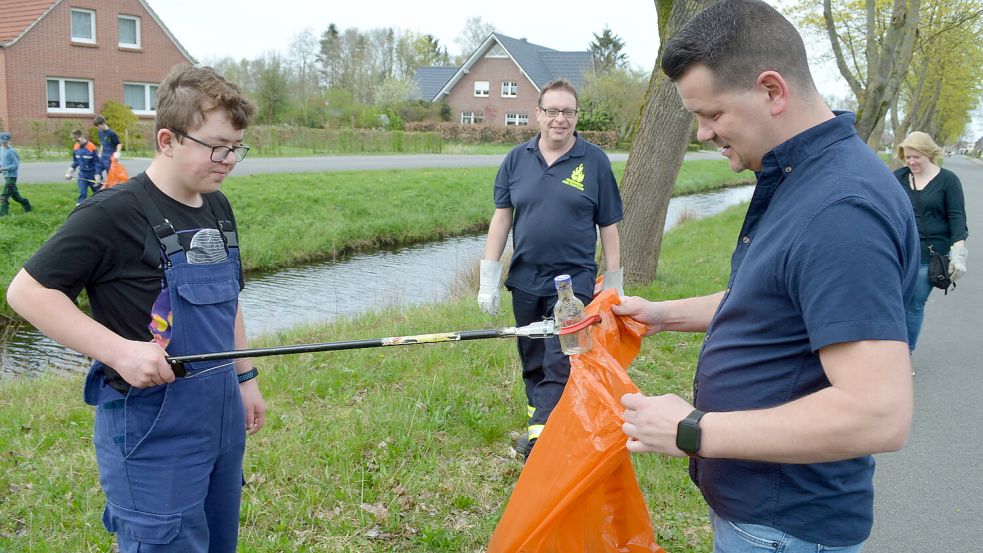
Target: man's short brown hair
x,y
559,84
188,93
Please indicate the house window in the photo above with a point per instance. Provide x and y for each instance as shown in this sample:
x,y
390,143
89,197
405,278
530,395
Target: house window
x,y
470,117
129,31
520,119
83,26
481,88
510,89
69,96
141,97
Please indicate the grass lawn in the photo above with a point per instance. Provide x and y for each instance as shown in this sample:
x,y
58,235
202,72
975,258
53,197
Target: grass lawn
x,y
378,450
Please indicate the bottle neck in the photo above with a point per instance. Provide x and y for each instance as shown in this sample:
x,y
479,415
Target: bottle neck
x,y
565,291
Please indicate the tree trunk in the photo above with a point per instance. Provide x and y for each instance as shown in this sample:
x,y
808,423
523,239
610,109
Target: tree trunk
x,y
887,65
655,157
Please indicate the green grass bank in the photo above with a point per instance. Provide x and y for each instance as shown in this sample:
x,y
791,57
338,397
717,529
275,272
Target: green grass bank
x,y
290,219
379,450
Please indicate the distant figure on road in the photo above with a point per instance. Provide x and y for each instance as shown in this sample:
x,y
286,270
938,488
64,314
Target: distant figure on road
x,y
9,164
804,371
937,198
86,160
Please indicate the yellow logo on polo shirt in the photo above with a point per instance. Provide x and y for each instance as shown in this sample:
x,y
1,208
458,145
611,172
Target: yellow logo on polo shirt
x,y
576,178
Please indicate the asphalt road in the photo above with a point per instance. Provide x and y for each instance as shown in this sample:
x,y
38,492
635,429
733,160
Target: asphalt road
x,y
52,171
929,496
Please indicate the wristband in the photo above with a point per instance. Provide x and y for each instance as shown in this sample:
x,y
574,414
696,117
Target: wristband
x,y
248,375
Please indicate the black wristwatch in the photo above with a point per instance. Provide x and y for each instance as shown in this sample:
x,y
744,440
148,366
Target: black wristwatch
x,y
688,433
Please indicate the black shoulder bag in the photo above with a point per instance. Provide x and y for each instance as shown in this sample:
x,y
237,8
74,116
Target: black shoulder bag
x,y
938,264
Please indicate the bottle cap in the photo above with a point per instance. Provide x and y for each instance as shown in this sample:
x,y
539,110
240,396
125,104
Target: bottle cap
x,y
562,279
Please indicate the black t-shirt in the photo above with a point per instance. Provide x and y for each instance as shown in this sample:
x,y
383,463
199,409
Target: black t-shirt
x,y
108,247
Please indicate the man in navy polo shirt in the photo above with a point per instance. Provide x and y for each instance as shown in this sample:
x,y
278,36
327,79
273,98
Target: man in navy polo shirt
x,y
553,192
805,371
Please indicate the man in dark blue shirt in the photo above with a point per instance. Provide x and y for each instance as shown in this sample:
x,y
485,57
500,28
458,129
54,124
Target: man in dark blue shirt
x,y
805,371
554,192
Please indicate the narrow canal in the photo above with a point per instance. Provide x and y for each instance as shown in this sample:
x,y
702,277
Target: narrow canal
x,y
323,292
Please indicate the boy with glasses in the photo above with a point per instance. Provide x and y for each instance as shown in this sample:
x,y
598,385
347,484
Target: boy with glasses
x,y
159,258
554,193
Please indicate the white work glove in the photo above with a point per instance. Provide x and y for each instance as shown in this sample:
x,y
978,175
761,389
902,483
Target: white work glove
x,y
70,174
957,261
98,178
615,279
116,156
488,289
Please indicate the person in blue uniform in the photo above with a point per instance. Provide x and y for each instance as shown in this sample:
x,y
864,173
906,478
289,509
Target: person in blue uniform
x,y
109,144
85,159
159,259
554,193
804,371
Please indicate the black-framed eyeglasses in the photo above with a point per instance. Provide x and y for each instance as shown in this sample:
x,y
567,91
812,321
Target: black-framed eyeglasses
x,y
568,113
220,152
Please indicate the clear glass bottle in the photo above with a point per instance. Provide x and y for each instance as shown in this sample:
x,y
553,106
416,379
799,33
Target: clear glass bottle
x,y
568,312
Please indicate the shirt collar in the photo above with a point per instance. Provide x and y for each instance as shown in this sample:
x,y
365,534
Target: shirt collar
x,y
787,155
578,149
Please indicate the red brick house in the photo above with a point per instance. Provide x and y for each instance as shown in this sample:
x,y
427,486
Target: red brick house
x,y
499,84
60,60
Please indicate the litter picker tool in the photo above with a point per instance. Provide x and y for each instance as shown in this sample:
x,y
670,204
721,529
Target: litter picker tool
x,y
541,329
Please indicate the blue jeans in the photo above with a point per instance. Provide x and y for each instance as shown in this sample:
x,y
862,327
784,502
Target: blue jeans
x,y
915,310
730,537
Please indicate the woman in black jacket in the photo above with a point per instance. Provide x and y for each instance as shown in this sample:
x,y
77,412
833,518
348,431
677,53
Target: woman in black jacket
x,y
937,197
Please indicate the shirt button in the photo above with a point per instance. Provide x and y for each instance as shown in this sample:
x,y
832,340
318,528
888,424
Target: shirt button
x,y
788,169
746,239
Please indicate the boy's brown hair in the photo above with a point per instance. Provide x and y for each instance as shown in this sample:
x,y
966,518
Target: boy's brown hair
x,y
188,93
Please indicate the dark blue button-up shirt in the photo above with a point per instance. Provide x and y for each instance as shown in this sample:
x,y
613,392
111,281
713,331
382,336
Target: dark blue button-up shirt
x,y
828,254
556,212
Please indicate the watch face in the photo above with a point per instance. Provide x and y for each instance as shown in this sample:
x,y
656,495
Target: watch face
x,y
688,437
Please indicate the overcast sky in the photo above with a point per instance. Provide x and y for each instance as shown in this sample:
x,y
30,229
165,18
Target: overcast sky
x,y
250,28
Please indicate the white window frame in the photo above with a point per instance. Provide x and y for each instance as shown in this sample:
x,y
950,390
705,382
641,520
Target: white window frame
x,y
61,96
482,91
92,26
135,19
146,97
472,117
510,89
518,119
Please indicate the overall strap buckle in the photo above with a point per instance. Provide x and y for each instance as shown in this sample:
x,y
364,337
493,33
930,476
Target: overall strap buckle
x,y
228,233
168,238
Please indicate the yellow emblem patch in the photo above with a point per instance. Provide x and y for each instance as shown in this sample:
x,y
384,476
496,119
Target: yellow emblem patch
x,y
576,178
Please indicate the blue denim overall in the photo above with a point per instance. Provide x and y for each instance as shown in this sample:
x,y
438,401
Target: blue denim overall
x,y
170,456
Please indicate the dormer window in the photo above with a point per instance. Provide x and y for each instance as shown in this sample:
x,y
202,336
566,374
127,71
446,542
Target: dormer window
x,y
83,26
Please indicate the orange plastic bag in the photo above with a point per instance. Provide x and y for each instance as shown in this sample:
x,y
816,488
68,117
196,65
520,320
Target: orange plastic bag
x,y
578,490
117,174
